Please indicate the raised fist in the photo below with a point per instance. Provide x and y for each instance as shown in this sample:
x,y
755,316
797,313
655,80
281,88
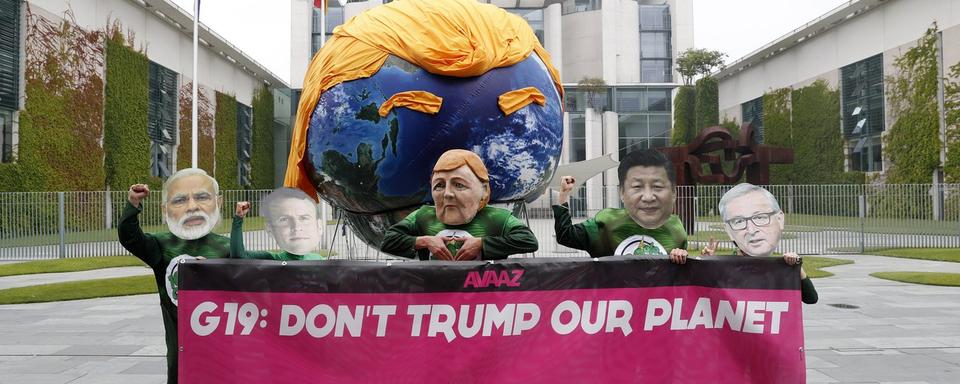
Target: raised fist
x,y
137,193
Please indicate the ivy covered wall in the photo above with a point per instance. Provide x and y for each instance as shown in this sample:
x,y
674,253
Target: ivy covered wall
x,y
125,138
62,121
225,122
817,140
262,152
778,130
204,128
912,144
952,107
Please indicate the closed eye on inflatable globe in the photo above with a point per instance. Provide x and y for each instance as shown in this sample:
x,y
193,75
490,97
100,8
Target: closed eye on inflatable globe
x,y
377,169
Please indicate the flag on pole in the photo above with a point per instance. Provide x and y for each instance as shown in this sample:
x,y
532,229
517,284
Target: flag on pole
x,y
321,4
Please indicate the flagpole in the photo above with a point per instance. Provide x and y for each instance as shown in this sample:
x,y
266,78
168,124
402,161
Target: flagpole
x,y
193,103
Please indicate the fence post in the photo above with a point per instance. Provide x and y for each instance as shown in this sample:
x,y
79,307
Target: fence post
x,y
862,203
62,227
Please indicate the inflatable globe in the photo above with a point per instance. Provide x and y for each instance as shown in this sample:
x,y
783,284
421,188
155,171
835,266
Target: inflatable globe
x,y
377,169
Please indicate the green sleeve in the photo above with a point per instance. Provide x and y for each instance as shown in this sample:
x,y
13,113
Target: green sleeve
x,y
401,237
144,246
568,234
237,250
515,238
807,292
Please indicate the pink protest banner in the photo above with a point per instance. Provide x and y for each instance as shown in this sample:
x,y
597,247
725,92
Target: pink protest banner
x,y
618,319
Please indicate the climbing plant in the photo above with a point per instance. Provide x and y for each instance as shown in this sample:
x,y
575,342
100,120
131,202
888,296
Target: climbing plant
x,y
62,120
707,104
817,141
262,157
912,145
225,123
778,130
204,128
683,115
125,115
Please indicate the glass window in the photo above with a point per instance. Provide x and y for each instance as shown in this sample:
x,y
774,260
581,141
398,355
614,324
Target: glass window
x,y
865,154
334,17
9,55
578,100
315,43
654,17
633,134
574,6
752,113
659,126
578,142
534,18
643,100
162,119
244,143
658,100
655,71
861,85
6,136
655,45
861,90
630,100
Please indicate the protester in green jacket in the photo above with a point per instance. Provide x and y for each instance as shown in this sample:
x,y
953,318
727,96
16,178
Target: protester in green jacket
x,y
291,217
753,220
645,225
459,226
191,207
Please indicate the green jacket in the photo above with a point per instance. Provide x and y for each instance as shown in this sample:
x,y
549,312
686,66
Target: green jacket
x,y
501,233
613,229
161,252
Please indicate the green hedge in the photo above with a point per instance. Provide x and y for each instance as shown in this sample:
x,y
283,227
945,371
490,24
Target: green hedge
x,y
226,141
913,142
261,162
683,115
778,130
818,142
707,104
125,139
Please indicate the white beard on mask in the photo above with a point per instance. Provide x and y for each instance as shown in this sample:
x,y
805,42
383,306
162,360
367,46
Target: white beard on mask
x,y
196,232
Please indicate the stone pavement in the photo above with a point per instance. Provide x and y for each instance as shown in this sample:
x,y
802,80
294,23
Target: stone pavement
x,y
897,333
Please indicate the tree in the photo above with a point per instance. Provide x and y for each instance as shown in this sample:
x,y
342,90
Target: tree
x,y
694,62
593,87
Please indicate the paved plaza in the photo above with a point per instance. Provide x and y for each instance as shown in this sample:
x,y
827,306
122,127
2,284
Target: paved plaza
x,y
864,330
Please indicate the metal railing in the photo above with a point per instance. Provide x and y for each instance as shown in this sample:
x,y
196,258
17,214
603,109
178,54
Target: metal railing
x,y
820,219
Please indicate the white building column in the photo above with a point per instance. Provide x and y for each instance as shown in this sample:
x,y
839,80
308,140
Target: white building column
x,y
301,16
611,145
553,34
593,130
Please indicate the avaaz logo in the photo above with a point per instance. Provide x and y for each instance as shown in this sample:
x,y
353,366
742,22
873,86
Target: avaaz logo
x,y
503,278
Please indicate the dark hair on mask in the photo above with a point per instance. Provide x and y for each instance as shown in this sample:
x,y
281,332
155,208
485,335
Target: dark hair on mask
x,y
646,158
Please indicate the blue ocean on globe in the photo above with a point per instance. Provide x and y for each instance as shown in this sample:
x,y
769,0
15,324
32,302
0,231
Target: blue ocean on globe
x,y
366,164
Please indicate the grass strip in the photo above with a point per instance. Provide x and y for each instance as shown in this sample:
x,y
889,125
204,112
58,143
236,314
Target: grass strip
x,y
68,265
78,290
925,278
